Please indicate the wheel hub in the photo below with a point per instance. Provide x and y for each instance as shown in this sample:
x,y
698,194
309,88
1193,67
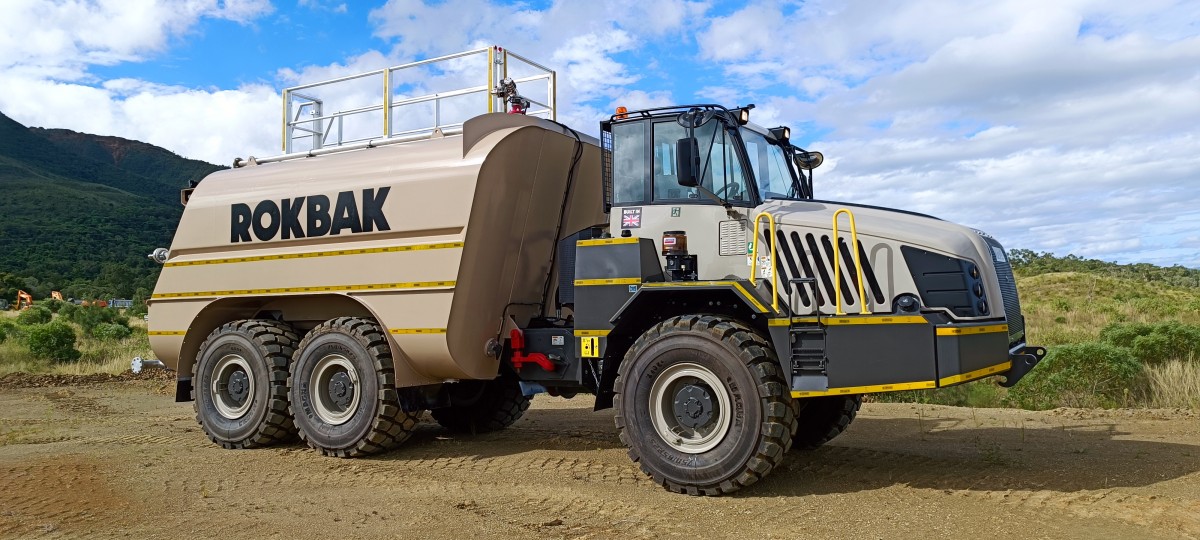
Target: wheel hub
x,y
239,386
690,408
693,406
341,390
333,389
232,387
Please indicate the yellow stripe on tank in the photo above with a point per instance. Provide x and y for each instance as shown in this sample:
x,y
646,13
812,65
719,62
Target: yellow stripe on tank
x,y
167,332
327,288
311,254
416,330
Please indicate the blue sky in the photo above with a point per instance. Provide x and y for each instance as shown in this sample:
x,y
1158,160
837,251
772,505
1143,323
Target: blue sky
x,y
1066,126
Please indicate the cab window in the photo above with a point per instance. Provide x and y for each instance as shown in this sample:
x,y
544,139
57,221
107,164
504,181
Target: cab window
x,y
721,170
629,163
771,171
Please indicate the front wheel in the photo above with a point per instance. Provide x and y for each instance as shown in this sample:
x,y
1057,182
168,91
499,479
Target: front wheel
x,y
702,405
343,393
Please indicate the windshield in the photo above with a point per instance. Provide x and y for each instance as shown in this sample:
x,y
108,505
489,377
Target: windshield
x,y
770,167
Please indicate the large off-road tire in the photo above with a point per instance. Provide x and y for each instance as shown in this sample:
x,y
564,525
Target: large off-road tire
x,y
240,380
483,406
342,390
820,419
702,405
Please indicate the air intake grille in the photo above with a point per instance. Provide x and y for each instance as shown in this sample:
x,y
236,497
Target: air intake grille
x,y
1008,289
802,256
606,166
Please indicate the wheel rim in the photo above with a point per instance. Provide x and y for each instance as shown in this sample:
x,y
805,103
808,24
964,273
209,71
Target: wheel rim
x,y
334,389
232,386
689,408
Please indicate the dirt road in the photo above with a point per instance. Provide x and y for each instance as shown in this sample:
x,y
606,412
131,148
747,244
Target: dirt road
x,y
119,459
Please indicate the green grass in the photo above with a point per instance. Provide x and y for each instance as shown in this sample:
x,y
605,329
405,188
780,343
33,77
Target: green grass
x,y
98,356
1072,308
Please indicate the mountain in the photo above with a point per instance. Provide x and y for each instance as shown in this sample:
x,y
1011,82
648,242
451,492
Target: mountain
x,y
79,212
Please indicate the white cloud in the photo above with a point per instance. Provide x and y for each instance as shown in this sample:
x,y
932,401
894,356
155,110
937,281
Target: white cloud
x,y
1066,125
59,39
213,125
581,40
47,47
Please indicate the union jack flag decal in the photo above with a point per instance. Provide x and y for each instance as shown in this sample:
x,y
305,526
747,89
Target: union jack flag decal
x,y
631,218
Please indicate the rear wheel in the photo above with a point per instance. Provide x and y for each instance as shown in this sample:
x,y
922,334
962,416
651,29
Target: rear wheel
x,y
240,377
820,419
702,405
483,406
343,393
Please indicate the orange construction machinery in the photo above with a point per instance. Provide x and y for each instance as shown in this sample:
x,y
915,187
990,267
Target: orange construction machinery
x,y
24,300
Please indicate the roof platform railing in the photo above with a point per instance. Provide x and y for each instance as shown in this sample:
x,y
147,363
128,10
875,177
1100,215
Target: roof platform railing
x,y
400,101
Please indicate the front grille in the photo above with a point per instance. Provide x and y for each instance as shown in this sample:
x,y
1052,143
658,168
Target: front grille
x,y
1008,290
945,281
807,256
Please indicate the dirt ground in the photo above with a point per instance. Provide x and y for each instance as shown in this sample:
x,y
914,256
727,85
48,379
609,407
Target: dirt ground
x,y
113,458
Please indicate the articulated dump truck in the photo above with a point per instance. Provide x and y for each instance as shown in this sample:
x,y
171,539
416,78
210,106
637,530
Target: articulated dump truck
x,y
679,270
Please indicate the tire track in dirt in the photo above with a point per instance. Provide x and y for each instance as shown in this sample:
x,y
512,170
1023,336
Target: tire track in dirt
x,y
68,401
55,496
579,516
978,480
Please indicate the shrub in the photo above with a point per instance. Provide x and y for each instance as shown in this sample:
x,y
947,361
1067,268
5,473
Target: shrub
x,y
34,315
1080,375
1156,343
53,304
1168,341
1122,334
111,332
89,317
9,329
67,310
54,341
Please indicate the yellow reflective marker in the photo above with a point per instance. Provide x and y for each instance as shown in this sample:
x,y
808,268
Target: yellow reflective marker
x,y
589,347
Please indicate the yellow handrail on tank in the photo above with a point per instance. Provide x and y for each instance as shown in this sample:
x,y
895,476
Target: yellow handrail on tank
x,y
837,274
754,258
491,78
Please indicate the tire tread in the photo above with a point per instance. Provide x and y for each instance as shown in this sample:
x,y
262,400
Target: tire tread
x,y
278,340
779,419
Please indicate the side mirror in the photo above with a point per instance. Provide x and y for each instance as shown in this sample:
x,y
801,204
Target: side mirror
x,y
687,161
809,160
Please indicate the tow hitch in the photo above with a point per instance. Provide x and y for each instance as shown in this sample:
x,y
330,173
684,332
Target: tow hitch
x,y
1023,360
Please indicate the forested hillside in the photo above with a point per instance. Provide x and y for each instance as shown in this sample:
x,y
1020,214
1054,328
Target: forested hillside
x,y
79,212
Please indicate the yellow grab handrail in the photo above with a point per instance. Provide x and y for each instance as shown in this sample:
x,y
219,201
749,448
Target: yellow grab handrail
x,y
491,79
837,253
754,259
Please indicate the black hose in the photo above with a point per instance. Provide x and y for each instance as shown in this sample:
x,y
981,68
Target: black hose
x,y
562,212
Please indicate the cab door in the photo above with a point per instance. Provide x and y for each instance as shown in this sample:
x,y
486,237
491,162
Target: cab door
x,y
649,201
